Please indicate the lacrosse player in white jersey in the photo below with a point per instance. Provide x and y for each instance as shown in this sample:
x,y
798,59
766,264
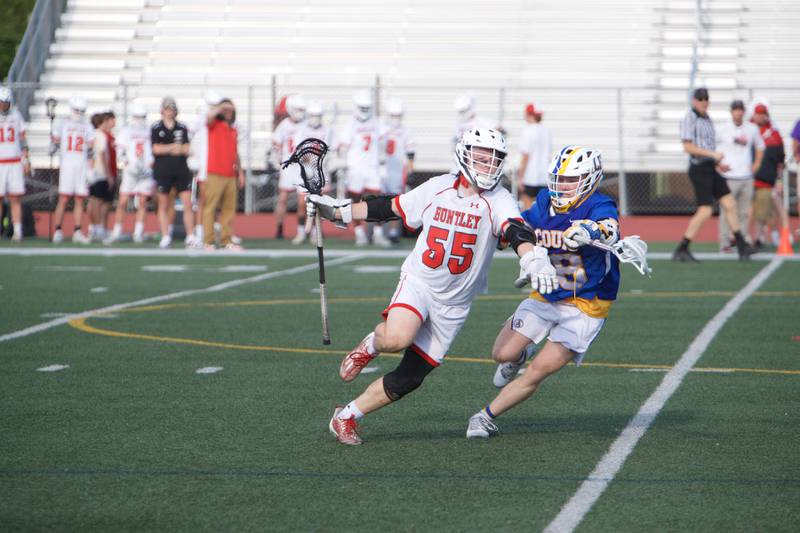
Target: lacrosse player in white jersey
x,y
284,141
467,109
360,143
135,153
462,216
398,157
73,137
14,165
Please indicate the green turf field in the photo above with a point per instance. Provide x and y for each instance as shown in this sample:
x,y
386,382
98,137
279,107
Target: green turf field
x,y
130,437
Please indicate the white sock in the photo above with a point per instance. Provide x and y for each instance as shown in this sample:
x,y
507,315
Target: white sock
x,y
138,229
350,410
198,231
117,229
169,230
17,229
371,344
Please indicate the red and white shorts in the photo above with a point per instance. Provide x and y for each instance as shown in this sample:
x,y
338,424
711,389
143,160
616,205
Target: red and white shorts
x,y
12,180
440,323
561,323
132,184
73,178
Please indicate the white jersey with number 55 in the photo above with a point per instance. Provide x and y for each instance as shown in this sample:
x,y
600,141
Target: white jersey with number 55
x,y
458,238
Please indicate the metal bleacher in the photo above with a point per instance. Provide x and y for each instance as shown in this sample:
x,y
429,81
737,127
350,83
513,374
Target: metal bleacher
x,y
613,74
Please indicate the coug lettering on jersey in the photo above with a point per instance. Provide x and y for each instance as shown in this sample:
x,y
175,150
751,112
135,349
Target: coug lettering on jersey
x,y
549,238
457,218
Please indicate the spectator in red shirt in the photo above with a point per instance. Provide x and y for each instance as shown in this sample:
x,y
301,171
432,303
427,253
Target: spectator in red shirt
x,y
768,202
224,174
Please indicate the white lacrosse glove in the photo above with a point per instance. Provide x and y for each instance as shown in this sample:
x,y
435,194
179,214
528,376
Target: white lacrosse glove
x,y
536,268
579,233
327,206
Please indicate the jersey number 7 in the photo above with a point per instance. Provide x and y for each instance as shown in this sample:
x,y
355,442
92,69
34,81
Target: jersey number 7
x,y
460,256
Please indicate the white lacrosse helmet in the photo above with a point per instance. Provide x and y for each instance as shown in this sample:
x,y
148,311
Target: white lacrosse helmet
x,y
362,105
296,107
394,109
212,97
575,172
138,111
480,155
465,106
314,113
78,104
5,94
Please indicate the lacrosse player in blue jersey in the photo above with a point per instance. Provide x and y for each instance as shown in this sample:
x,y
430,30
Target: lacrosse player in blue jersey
x,y
564,218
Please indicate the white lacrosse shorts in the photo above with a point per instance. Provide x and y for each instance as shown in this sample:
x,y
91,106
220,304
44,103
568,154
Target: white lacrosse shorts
x,y
290,179
440,323
561,323
73,179
133,185
12,180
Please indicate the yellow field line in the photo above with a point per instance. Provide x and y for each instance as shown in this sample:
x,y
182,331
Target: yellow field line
x,y
81,325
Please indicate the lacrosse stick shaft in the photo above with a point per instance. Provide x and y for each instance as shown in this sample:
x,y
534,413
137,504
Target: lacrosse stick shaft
x,y
323,297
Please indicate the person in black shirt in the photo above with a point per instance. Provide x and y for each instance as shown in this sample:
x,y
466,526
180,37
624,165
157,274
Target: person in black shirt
x,y
170,140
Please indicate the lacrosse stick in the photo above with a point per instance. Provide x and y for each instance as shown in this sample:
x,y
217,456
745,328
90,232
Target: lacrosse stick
x,y
631,250
310,155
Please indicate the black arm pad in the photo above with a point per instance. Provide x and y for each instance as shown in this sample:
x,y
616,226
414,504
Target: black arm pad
x,y
379,208
518,232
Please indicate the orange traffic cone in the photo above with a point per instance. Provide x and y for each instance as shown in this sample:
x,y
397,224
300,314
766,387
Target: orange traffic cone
x,y
785,247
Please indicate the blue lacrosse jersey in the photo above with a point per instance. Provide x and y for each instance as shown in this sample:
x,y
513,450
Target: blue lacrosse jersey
x,y
588,275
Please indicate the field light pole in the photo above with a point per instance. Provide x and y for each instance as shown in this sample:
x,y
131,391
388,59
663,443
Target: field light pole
x,y
51,104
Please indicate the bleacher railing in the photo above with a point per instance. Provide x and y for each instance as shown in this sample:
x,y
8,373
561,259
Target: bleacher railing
x,y
33,50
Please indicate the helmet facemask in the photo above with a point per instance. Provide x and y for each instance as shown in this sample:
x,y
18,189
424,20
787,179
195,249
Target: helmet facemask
x,y
482,166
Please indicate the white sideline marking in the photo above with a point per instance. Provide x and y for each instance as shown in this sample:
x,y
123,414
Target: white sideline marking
x,y
52,368
44,326
376,269
209,370
165,268
69,268
370,369
595,484
99,289
52,315
401,253
239,268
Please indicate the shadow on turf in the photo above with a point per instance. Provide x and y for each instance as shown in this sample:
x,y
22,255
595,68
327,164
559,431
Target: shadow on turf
x,y
600,425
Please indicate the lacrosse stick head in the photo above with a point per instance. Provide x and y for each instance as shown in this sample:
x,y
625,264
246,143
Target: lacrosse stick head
x,y
310,154
633,250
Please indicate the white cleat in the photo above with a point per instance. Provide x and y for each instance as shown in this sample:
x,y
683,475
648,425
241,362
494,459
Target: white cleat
x,y
192,242
80,238
58,237
361,236
379,239
299,239
481,426
138,238
166,242
506,372
17,238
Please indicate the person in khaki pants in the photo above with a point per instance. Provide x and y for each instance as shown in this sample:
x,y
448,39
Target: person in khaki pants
x,y
224,174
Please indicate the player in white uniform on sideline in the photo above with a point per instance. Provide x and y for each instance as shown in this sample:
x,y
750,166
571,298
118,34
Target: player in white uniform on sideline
x,y
468,118
361,143
14,165
535,147
462,216
74,136
284,141
135,153
398,157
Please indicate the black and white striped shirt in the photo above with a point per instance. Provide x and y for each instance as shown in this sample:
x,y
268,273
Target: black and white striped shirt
x,y
699,130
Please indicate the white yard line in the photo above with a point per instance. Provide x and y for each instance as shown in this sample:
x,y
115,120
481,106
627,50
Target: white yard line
x,y
38,328
593,486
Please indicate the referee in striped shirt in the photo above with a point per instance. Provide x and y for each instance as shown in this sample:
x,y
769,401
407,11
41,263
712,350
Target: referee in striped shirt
x,y
705,165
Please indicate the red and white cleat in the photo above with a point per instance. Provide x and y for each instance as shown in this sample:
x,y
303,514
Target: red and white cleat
x,y
345,431
356,360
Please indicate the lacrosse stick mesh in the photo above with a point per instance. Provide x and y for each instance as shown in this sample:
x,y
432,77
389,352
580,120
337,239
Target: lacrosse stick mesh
x,y
310,154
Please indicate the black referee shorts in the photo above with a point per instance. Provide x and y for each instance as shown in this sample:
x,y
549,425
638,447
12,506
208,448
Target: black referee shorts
x,y
707,182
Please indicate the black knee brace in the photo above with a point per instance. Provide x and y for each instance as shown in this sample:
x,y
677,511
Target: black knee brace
x,y
408,375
